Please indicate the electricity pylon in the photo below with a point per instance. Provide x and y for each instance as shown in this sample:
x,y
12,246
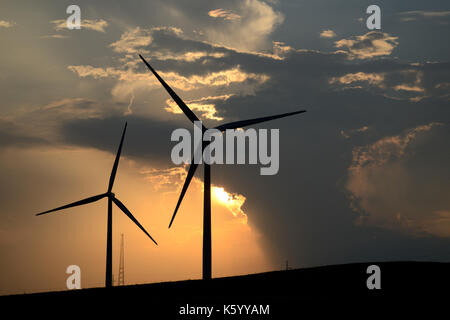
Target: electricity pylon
x,y
121,280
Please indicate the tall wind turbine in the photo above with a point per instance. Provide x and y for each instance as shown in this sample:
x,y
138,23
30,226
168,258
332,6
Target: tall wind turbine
x,y
111,198
207,170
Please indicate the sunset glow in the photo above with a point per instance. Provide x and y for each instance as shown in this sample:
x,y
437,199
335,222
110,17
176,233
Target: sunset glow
x,y
233,202
222,195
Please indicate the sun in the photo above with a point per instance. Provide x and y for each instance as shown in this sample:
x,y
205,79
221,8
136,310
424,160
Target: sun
x,y
221,195
232,201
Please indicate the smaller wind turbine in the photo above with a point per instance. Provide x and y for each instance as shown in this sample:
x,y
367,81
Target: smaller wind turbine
x,y
111,198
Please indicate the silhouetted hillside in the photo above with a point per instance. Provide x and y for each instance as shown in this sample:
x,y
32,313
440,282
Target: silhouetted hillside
x,y
284,291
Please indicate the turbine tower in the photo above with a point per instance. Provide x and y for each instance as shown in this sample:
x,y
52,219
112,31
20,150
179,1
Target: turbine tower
x,y
111,199
121,280
207,170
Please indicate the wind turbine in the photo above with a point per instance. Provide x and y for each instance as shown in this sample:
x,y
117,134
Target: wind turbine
x,y
111,199
207,170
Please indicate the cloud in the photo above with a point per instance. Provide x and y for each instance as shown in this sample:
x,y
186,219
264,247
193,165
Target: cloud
x,y
370,45
188,56
76,108
199,74
134,79
95,25
406,87
131,40
445,85
225,14
422,14
167,180
327,34
84,71
130,104
349,78
233,201
389,148
411,83
42,125
54,36
347,134
204,105
15,135
248,33
6,24
280,50
431,14
392,183
142,130
140,40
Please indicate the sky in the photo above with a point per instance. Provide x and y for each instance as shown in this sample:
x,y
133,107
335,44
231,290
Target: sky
x,y
364,174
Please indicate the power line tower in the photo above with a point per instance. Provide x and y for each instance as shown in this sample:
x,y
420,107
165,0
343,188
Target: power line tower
x,y
287,265
121,279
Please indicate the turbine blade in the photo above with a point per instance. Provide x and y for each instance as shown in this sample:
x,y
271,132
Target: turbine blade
x,y
189,176
188,112
128,213
77,203
244,123
116,161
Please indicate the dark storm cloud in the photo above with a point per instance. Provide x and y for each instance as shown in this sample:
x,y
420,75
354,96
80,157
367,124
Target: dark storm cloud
x,y
12,135
146,139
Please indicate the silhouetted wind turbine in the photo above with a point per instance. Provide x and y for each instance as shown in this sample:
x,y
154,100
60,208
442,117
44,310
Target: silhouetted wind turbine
x,y
111,198
207,170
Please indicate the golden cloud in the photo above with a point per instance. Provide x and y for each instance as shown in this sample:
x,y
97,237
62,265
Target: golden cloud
x,y
96,25
6,24
408,84
349,133
225,14
327,34
130,81
371,78
257,18
187,56
370,45
204,105
131,40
